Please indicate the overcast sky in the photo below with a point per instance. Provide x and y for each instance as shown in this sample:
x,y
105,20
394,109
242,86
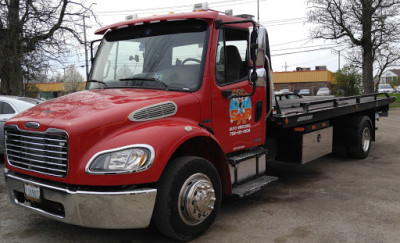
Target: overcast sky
x,y
285,21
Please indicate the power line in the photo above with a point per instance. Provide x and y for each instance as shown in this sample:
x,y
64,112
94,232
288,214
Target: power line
x,y
188,6
304,47
289,53
284,23
283,20
282,44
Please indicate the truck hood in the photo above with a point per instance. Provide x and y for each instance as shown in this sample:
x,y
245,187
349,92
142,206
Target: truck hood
x,y
105,107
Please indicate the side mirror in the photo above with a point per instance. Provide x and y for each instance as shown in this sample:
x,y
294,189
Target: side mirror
x,y
253,46
258,47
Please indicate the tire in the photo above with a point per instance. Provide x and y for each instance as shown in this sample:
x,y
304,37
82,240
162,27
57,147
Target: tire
x,y
188,198
361,141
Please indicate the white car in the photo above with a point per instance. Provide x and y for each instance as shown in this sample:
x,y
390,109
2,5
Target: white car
x,y
323,91
304,92
398,89
11,106
385,88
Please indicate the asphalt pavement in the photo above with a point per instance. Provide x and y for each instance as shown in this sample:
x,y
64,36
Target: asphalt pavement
x,y
328,200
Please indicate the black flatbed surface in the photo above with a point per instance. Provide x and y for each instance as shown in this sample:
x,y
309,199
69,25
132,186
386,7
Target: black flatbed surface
x,y
295,112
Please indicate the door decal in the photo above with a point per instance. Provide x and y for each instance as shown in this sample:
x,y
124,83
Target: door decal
x,y
240,111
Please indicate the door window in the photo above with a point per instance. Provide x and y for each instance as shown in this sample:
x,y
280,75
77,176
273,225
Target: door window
x,y
231,62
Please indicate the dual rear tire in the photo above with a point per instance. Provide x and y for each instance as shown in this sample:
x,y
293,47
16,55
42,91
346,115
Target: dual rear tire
x,y
354,138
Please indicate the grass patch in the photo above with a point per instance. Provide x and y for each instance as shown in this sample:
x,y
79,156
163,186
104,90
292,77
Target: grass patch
x,y
396,103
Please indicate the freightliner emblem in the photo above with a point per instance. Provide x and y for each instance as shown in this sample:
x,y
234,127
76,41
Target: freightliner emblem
x,y
32,125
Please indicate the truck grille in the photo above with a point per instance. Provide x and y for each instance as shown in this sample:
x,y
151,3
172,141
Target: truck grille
x,y
41,152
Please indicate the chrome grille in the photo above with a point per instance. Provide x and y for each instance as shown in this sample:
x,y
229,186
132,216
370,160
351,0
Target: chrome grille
x,y
154,112
41,152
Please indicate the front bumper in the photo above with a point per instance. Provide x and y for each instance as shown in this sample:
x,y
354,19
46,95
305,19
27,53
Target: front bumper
x,y
122,209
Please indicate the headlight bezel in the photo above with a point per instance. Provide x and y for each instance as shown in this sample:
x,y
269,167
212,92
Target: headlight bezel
x,y
144,147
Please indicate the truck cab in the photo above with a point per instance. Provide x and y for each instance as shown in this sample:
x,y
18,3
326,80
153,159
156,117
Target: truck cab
x,y
173,116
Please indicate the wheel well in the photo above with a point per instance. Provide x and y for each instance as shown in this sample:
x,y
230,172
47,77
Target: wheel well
x,y
206,148
351,121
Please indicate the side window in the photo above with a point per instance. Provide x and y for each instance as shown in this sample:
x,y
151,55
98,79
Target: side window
x,y
231,62
7,109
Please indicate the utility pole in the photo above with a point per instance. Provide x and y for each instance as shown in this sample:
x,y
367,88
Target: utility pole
x,y
63,78
339,60
258,11
286,66
86,51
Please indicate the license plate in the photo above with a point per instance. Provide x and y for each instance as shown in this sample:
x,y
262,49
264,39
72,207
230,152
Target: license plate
x,y
32,192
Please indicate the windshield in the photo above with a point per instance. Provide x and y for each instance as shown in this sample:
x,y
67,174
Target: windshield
x,y
385,86
165,55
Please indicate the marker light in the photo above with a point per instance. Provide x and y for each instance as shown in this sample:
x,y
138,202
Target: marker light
x,y
200,7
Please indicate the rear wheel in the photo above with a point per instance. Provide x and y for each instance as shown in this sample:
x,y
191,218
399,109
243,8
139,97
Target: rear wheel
x,y
362,139
188,198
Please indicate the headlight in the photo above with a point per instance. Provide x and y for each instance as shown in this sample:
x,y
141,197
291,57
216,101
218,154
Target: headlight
x,y
128,159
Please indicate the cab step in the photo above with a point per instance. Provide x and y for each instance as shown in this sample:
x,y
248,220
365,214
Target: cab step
x,y
238,157
253,186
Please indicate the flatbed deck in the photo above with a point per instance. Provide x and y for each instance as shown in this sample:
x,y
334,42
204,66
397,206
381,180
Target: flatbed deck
x,y
297,112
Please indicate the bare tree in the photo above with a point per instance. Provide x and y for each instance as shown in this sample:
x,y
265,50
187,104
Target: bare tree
x,y
370,25
34,32
73,80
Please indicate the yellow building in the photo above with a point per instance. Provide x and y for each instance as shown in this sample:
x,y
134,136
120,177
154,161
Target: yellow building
x,y
296,80
54,90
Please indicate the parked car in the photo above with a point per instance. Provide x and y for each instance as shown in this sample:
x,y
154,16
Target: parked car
x,y
385,88
288,96
304,92
323,91
282,91
11,106
398,89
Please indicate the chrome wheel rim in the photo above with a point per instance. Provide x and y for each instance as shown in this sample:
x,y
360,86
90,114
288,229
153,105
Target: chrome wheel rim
x,y
366,139
196,199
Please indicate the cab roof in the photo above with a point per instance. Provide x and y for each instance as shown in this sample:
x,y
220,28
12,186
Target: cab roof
x,y
209,14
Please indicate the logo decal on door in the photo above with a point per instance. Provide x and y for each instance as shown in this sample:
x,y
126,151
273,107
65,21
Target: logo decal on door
x,y
240,111
240,108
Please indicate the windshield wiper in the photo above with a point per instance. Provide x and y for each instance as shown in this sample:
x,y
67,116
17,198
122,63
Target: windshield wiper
x,y
97,81
146,79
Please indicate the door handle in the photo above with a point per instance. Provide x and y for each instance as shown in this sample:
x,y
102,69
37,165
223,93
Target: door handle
x,y
227,93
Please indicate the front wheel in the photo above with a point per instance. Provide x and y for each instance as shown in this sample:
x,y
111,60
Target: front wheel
x,y
188,198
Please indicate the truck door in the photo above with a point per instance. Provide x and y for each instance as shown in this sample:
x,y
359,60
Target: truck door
x,y
238,123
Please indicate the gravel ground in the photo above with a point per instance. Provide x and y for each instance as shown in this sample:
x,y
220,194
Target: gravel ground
x,y
328,200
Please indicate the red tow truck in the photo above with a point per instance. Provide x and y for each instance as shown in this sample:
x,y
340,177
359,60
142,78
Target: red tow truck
x,y
178,111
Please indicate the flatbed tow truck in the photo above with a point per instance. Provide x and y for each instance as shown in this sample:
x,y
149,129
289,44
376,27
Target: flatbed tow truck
x,y
177,112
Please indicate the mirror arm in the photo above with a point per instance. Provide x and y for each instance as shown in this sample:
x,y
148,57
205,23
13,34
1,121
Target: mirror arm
x,y
91,50
228,93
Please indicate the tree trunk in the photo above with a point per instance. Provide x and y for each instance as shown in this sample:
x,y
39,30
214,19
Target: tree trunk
x,y
10,50
367,68
367,46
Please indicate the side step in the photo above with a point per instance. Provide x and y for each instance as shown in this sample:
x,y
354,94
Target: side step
x,y
239,157
253,186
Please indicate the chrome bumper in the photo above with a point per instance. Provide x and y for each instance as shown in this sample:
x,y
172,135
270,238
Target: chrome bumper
x,y
124,209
